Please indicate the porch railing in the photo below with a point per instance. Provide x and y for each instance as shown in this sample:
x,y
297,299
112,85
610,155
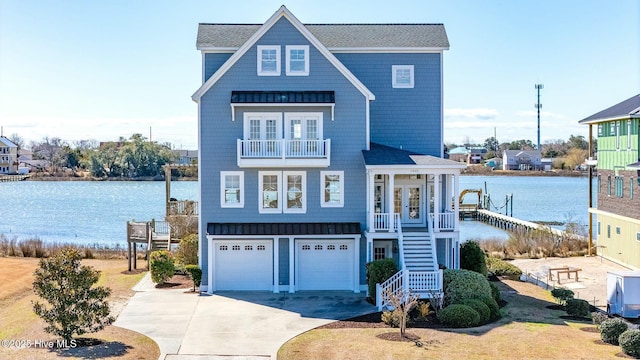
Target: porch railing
x,y
423,283
182,207
393,285
445,221
382,222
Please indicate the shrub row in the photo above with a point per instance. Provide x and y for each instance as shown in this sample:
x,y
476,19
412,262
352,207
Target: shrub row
x,y
500,267
379,271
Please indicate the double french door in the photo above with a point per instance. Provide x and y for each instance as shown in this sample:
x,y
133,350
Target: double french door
x,y
408,201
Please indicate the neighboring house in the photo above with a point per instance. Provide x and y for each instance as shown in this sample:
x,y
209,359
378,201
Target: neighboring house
x,y
321,150
494,163
618,181
547,163
521,160
24,154
186,157
460,154
469,155
8,156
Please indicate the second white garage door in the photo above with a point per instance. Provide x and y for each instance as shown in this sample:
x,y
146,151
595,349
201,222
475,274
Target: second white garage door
x,y
325,264
243,265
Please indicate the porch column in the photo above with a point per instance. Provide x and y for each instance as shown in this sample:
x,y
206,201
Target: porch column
x,y
369,248
292,285
356,264
370,202
437,202
456,203
391,201
210,264
276,265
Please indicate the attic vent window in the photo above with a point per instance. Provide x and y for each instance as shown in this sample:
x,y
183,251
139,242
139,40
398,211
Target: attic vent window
x,y
402,76
297,60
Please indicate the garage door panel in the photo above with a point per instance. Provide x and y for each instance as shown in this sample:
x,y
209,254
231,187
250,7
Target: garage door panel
x,y
243,265
325,264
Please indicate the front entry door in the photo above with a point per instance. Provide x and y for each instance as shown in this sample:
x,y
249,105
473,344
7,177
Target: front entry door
x,y
408,201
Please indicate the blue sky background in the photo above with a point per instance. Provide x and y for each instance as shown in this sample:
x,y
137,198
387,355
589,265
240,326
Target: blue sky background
x,y
104,69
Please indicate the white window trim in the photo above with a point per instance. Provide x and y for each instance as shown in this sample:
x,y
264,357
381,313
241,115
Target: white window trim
x,y
262,116
303,209
259,60
223,175
394,69
323,174
289,72
261,209
629,134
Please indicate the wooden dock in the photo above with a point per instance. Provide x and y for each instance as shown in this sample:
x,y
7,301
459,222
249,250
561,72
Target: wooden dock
x,y
8,178
517,225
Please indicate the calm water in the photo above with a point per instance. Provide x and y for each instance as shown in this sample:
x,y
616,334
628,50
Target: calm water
x,y
96,212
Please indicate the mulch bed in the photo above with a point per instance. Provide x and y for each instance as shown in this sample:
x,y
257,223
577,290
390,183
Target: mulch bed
x,y
395,336
178,281
591,329
374,320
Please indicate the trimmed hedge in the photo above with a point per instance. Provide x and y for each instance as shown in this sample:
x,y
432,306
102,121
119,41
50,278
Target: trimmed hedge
x,y
610,330
379,271
630,342
577,307
495,292
459,316
161,266
562,295
494,309
187,251
481,308
460,284
499,267
472,258
196,275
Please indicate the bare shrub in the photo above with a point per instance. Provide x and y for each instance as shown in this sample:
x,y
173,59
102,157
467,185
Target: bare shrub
x,y
26,249
520,244
495,247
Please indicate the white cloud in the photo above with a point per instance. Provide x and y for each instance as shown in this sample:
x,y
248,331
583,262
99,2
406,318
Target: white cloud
x,y
477,113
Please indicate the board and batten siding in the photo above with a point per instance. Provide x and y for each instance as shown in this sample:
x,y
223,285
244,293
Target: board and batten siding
x,y
218,135
613,149
404,118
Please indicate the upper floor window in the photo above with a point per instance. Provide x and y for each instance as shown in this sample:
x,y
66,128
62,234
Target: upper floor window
x,y
600,130
297,60
282,191
402,76
268,60
332,188
232,189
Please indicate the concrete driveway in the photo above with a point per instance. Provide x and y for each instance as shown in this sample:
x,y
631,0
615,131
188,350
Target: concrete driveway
x,y
232,325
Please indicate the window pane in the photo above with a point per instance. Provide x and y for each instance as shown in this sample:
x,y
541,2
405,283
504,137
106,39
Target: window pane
x,y
294,191
403,76
332,189
296,60
232,189
269,62
270,191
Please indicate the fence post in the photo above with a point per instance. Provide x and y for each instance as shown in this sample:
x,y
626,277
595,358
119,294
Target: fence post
x,y
129,245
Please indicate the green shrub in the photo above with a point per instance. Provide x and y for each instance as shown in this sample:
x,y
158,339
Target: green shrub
x,y
577,307
459,285
598,317
481,308
500,267
562,295
196,275
494,309
74,305
187,251
472,258
459,316
392,318
424,309
610,330
630,342
379,271
495,292
161,266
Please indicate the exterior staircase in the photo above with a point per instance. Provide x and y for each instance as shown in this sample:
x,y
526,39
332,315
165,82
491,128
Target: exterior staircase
x,y
419,251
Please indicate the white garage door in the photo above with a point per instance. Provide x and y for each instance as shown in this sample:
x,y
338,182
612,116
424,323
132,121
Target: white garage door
x,y
324,264
243,265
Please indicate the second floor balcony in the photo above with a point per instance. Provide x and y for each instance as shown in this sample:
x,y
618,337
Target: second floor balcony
x,y
284,153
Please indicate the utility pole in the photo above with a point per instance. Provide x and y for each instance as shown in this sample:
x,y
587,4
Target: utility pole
x,y
539,106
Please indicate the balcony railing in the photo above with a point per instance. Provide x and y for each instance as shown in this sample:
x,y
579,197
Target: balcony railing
x,y
308,153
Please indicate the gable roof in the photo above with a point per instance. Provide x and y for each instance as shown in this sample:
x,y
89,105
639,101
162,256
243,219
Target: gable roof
x,y
625,109
6,142
335,36
282,12
522,152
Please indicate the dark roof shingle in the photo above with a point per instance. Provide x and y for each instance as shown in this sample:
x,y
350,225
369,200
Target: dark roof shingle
x,y
231,229
629,107
335,35
283,97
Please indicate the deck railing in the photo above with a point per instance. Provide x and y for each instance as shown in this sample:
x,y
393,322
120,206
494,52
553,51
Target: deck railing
x,y
183,207
283,148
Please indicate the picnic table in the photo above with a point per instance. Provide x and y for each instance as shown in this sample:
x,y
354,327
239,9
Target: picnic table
x,y
563,270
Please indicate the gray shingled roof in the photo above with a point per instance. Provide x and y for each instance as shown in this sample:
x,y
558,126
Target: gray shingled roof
x,y
629,107
386,155
335,35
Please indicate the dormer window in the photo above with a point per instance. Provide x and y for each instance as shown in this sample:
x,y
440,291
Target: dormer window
x,y
268,60
297,60
402,76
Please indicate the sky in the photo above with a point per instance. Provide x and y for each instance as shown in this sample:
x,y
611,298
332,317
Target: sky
x,y
105,69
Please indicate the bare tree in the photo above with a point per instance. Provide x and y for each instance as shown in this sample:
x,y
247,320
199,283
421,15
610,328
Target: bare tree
x,y
403,302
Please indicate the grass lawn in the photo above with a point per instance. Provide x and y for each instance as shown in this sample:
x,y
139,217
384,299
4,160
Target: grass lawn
x,y
528,330
19,322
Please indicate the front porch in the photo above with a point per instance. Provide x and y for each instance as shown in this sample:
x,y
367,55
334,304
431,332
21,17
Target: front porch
x,y
409,202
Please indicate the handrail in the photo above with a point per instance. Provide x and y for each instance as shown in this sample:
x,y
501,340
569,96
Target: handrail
x,y
394,283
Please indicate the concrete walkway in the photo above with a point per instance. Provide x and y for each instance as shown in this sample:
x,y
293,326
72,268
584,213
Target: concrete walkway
x,y
231,325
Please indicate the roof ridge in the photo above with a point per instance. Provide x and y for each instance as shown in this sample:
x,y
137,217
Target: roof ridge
x,y
331,24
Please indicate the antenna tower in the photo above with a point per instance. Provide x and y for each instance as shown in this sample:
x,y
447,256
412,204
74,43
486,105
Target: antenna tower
x,y
539,106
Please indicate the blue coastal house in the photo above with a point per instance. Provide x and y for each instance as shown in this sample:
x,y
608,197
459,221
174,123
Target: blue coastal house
x,y
320,149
